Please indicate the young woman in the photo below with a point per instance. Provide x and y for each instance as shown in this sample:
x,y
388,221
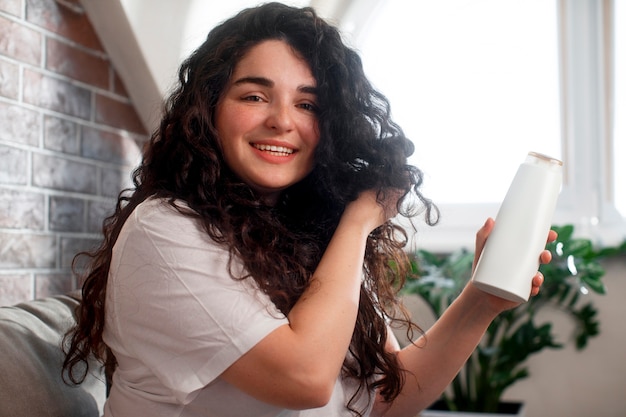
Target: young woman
x,y
253,269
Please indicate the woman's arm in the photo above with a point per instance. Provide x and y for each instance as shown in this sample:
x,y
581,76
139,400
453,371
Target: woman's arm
x,y
435,359
297,365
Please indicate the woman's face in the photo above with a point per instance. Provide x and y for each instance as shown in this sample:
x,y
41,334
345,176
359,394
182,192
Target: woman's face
x,y
266,119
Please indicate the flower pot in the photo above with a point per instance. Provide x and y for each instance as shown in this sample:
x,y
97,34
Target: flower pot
x,y
505,409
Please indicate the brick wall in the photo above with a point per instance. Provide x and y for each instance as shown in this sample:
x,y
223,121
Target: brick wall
x,y
69,137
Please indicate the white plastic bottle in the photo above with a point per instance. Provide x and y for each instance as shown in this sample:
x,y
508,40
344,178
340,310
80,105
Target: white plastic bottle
x,y
510,258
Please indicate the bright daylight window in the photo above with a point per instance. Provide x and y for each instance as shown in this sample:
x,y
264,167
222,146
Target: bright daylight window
x,y
478,84
474,84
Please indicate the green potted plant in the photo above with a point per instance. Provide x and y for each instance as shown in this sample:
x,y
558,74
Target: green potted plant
x,y
515,335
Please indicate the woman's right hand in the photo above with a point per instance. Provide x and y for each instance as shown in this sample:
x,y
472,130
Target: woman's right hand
x,y
372,208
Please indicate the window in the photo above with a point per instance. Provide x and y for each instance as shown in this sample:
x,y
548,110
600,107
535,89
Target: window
x,y
478,84
473,88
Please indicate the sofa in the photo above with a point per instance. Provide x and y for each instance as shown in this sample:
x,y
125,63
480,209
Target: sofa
x,y
31,358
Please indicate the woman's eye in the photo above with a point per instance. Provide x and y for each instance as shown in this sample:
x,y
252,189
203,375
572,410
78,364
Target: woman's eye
x,y
308,106
252,98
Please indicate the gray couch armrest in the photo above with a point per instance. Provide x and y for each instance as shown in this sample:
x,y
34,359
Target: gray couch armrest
x,y
31,361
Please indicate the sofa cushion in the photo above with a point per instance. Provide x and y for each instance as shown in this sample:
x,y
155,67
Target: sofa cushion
x,y
31,361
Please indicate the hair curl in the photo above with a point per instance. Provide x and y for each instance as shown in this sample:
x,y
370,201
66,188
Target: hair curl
x,y
360,148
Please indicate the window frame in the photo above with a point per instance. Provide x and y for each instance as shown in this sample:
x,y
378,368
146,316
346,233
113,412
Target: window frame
x,y
586,43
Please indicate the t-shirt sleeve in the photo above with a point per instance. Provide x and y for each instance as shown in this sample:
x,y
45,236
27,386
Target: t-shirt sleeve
x,y
174,304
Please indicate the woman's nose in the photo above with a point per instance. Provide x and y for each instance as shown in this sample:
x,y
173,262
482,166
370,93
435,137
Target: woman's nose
x,y
280,117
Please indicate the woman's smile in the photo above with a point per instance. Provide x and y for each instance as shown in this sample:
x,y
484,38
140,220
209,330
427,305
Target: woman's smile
x,y
274,150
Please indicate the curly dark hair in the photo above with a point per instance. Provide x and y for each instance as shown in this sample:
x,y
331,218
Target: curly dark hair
x,y
360,148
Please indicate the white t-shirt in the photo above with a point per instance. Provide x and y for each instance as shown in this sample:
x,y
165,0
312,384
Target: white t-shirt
x,y
176,319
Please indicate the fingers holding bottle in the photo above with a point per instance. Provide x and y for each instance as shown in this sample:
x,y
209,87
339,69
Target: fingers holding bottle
x,y
481,239
544,258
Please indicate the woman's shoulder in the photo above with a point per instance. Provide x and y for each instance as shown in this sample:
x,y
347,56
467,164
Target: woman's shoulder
x,y
160,206
164,219
163,210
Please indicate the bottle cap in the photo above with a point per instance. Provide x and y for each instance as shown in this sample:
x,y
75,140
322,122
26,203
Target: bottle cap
x,y
539,157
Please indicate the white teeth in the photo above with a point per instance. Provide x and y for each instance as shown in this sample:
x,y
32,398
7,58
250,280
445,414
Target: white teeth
x,y
280,150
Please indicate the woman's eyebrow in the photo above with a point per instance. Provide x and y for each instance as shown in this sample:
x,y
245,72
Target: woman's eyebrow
x,y
266,82
308,89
